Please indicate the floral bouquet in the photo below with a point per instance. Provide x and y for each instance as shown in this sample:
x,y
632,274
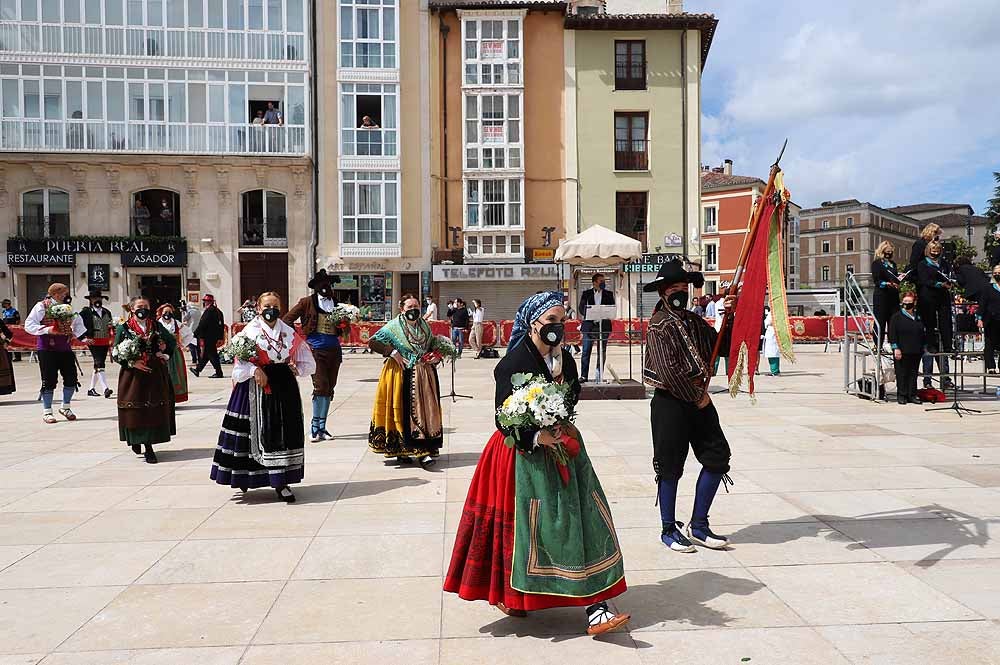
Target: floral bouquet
x,y
441,348
239,347
342,317
128,351
537,403
61,315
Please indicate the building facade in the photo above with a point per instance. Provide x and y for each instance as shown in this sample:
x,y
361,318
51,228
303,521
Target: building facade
x,y
957,220
374,145
131,159
841,236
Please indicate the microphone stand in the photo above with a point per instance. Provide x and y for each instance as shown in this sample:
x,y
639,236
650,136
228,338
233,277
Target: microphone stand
x,y
453,395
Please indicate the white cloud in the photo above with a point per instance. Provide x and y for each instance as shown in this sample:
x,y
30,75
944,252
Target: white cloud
x,y
891,102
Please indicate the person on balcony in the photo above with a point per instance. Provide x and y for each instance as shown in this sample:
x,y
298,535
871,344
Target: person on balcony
x,y
258,119
319,326
273,115
142,218
54,349
368,123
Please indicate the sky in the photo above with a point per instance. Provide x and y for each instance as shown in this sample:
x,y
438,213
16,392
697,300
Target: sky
x,y
888,101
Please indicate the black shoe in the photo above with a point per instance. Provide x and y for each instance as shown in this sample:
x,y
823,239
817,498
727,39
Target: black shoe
x,y
195,372
900,399
92,393
217,376
285,494
427,462
150,457
136,448
403,459
108,393
916,400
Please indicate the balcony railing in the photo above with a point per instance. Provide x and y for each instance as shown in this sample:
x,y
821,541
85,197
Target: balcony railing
x,y
156,227
631,155
34,227
270,232
103,136
173,43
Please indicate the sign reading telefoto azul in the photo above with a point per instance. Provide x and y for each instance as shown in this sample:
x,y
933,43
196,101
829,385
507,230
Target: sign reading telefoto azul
x,y
496,272
151,252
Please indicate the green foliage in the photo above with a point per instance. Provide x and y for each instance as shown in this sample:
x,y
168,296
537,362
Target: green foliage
x,y
993,214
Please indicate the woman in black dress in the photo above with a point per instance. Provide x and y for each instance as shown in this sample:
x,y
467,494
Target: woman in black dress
x,y
885,276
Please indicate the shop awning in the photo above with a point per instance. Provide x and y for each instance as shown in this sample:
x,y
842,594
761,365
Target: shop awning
x,y
599,246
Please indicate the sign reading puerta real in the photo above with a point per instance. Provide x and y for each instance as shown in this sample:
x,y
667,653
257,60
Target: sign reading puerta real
x,y
135,252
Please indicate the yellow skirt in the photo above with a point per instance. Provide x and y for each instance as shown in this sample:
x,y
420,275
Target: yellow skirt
x,y
406,417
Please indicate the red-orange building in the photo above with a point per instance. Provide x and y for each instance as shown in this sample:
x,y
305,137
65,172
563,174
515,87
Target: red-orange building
x,y
726,201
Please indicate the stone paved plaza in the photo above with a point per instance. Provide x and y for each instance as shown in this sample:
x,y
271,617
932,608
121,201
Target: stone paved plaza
x,y
861,533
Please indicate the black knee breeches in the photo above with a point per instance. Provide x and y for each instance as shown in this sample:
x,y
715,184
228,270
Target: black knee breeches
x,y
676,426
53,363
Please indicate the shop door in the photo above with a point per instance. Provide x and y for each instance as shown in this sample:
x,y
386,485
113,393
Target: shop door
x,y
37,287
160,289
409,282
264,272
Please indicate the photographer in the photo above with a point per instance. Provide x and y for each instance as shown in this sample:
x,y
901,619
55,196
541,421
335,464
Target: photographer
x,y
935,311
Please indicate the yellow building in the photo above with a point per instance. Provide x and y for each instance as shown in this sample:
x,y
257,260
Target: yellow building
x,y
637,109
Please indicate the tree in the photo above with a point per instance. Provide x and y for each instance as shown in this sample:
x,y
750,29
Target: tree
x,y
993,214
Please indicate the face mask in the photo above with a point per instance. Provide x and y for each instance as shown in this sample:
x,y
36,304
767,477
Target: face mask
x,y
68,299
97,304
552,333
168,316
678,300
142,313
270,314
600,286
411,315
907,305
888,255
325,291
997,277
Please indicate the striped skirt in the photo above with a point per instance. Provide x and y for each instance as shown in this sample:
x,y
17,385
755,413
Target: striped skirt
x,y
233,464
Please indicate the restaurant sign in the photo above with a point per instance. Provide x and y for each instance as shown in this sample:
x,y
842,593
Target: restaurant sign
x,y
150,252
650,262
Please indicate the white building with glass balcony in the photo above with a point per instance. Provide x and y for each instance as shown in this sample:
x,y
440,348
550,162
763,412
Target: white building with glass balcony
x,y
161,122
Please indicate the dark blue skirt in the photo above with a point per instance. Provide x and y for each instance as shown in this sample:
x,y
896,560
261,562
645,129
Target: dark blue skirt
x,y
232,464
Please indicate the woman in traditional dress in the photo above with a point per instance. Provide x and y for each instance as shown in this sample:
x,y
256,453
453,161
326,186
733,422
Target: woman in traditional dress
x,y
145,393
167,317
263,437
406,418
7,385
525,541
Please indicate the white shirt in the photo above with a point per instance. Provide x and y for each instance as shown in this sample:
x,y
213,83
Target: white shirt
x,y
33,324
710,310
477,316
177,328
431,313
325,304
282,337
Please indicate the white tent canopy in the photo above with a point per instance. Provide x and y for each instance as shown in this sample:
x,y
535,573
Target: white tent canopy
x,y
599,246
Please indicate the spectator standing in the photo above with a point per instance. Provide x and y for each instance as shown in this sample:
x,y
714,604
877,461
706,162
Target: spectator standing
x,y
211,328
592,331
191,316
368,123
431,312
273,115
10,316
459,315
142,218
476,338
711,309
258,119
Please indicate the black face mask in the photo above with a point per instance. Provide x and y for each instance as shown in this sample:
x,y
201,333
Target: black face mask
x,y
68,299
996,277
552,333
411,314
97,304
888,255
168,316
270,314
678,300
326,291
142,313
907,305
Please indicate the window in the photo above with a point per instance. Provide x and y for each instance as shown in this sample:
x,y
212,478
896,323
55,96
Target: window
x,y
492,51
630,65
711,287
368,34
630,215
263,221
370,208
155,212
711,217
850,244
630,141
493,131
493,203
850,221
711,256
826,246
368,113
825,224
44,214
494,245
826,273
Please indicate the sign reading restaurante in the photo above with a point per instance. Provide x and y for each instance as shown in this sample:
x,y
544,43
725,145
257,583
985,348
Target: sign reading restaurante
x,y
167,252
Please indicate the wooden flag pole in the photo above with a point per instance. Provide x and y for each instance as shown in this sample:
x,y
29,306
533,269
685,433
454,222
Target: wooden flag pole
x,y
741,264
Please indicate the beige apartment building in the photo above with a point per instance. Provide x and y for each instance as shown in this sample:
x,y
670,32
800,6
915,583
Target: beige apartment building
x,y
957,220
841,236
129,159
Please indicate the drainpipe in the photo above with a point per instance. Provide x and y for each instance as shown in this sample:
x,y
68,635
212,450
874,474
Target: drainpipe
x,y
314,230
444,117
684,143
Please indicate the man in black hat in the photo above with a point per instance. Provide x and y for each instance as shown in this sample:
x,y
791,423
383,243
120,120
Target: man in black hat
x,y
678,352
211,328
319,325
99,323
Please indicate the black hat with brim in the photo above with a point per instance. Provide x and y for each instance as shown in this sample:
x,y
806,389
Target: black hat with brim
x,y
94,294
673,272
322,277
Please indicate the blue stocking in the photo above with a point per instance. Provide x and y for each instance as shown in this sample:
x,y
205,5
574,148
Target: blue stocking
x,y
47,400
666,492
704,494
321,407
68,394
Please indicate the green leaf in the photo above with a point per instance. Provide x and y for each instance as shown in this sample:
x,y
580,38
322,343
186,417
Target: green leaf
x,y
520,379
509,441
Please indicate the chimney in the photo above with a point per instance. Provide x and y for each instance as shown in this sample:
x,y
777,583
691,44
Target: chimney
x,y
675,6
727,166
586,7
